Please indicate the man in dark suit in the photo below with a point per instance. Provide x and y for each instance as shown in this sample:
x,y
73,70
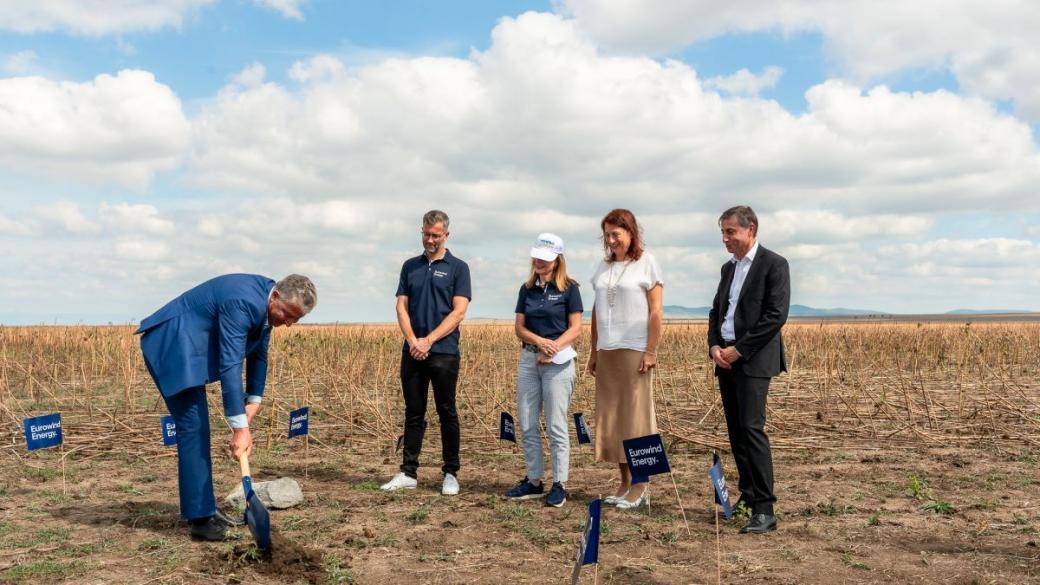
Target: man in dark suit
x,y
203,336
744,323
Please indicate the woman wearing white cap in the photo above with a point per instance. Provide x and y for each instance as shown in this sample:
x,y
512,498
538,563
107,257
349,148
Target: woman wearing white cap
x,y
548,320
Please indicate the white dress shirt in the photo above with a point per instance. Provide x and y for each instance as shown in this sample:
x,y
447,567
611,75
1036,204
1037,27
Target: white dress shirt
x,y
740,272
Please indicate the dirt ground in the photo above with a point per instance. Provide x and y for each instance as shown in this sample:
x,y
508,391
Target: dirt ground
x,y
846,516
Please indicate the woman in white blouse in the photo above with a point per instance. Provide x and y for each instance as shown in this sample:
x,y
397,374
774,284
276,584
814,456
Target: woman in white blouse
x,y
626,328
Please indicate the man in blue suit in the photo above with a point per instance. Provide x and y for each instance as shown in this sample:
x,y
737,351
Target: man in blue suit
x,y
203,336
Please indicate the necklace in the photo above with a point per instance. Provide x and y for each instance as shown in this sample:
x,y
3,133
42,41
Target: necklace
x,y
612,285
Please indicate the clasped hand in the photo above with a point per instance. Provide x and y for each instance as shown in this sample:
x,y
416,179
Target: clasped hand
x,y
724,357
420,348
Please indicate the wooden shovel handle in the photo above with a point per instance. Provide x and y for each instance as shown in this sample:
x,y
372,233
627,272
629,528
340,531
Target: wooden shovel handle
x,y
243,462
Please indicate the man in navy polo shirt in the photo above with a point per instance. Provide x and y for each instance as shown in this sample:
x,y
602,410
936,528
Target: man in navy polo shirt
x,y
432,297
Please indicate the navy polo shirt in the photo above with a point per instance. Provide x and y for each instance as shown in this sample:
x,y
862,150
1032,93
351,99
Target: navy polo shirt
x,y
431,288
545,308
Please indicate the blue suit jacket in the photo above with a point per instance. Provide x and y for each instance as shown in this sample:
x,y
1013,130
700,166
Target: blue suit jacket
x,y
205,334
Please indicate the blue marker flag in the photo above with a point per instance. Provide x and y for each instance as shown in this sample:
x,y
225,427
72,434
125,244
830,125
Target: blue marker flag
x,y
646,457
588,546
43,431
298,424
582,428
506,428
169,431
718,480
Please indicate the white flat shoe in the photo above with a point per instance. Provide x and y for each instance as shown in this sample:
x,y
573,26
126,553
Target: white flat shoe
x,y
624,504
399,482
450,487
613,500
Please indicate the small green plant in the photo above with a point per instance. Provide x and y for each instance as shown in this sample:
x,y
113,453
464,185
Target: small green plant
x,y
833,509
874,520
668,538
41,537
153,544
937,507
419,514
44,570
518,510
251,553
39,473
87,549
1029,456
742,511
850,562
367,486
335,571
131,490
292,522
386,539
916,487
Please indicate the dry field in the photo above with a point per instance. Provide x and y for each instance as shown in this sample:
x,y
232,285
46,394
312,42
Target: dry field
x,y
905,453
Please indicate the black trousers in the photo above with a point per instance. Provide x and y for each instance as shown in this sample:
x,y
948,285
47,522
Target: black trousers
x,y
442,371
744,401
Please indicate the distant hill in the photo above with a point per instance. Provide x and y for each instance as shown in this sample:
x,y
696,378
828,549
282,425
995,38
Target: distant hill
x,y
987,312
804,311
680,312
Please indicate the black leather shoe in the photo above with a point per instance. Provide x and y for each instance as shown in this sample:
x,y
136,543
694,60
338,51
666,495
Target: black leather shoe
x,y
213,529
760,524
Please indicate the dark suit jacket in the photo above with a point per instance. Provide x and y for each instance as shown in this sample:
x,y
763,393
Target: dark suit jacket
x,y
762,307
205,334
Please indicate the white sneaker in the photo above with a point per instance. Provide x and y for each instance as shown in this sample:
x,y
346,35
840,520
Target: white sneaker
x,y
451,485
398,482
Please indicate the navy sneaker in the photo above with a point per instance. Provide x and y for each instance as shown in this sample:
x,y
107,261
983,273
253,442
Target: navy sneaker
x,y
525,490
557,495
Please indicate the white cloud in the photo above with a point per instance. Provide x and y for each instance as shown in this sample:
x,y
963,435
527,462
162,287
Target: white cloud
x,y
121,129
141,250
317,68
287,8
13,228
990,45
329,174
746,83
250,76
68,215
96,17
125,217
543,115
19,63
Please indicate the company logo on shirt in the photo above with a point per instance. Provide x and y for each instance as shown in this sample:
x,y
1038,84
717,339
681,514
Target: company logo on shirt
x,y
439,273
555,297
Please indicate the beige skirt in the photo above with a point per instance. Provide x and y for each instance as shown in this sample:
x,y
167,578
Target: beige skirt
x,y
624,402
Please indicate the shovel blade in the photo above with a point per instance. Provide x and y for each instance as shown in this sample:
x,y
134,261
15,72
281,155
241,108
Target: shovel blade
x,y
257,517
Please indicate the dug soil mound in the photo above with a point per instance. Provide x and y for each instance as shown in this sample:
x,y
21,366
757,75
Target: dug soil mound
x,y
287,562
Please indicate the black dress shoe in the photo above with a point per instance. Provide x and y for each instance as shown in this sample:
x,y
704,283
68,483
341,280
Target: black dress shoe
x,y
213,529
760,524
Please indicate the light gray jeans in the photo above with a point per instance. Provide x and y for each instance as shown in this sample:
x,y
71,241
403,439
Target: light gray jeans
x,y
548,388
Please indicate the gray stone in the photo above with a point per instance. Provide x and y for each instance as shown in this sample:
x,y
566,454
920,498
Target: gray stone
x,y
281,493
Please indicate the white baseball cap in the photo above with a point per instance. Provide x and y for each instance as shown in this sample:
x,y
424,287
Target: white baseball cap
x,y
547,247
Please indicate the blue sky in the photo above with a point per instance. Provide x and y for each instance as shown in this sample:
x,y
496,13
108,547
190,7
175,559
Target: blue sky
x,y
893,156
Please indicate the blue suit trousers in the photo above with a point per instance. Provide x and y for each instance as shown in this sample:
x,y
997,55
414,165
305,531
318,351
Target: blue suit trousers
x,y
194,467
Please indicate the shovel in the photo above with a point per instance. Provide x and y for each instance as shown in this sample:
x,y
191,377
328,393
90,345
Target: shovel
x,y
257,517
